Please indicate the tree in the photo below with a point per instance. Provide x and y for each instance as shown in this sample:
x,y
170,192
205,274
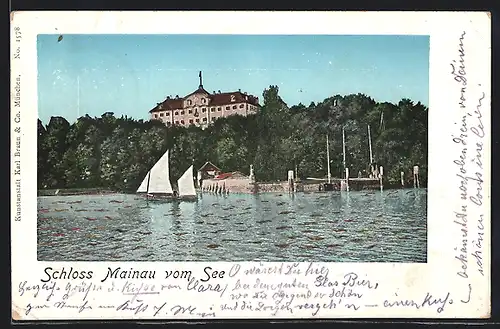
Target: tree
x,y
118,152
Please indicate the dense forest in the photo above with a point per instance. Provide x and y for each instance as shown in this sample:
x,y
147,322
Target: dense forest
x,y
116,153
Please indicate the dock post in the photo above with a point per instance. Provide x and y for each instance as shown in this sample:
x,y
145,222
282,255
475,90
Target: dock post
x,y
402,179
290,181
347,179
252,175
416,182
381,174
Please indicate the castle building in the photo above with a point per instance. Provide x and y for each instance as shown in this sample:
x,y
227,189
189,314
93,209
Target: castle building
x,y
201,108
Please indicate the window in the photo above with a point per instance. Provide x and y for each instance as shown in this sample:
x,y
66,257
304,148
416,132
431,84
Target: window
x,y
203,110
182,121
204,119
176,122
190,111
203,100
213,119
169,123
161,114
190,120
168,114
197,120
182,112
233,98
189,102
212,109
176,113
234,107
218,109
242,106
227,108
156,115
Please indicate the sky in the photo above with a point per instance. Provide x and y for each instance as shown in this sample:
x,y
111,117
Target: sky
x,y
130,74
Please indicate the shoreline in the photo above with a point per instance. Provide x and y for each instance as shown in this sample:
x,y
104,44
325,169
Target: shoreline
x,y
96,191
75,191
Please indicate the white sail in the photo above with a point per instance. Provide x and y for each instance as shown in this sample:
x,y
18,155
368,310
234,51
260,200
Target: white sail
x,y
143,188
159,180
186,183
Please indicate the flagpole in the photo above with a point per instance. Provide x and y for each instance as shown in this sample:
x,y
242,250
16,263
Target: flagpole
x,y
328,159
370,145
343,147
78,95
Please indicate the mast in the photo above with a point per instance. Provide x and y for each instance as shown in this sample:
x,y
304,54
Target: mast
x,y
78,95
147,188
343,147
328,159
149,178
370,145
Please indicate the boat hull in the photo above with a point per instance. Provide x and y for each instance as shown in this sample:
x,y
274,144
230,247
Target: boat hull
x,y
191,198
169,198
159,197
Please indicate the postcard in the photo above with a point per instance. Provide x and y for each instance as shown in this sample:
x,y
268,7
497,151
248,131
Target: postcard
x,y
227,165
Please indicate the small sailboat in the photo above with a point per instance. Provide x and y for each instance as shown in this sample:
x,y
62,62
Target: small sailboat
x,y
156,184
187,190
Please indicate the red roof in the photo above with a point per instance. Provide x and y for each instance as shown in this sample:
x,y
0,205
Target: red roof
x,y
209,166
225,175
229,174
216,99
168,104
200,90
225,98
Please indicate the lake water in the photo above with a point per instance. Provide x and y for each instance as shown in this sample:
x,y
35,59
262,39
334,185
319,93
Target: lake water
x,y
373,226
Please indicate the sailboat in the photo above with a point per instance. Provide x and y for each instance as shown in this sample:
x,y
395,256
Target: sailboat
x,y
156,184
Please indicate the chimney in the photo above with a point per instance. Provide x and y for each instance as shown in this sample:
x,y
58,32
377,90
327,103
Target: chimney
x,y
239,90
219,91
168,97
214,92
176,96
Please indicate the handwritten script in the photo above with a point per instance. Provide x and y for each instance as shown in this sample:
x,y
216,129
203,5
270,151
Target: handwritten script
x,y
469,168
262,290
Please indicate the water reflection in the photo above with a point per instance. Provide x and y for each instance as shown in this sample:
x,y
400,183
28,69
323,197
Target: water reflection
x,y
373,226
